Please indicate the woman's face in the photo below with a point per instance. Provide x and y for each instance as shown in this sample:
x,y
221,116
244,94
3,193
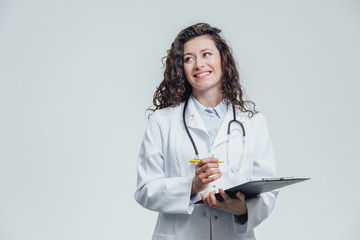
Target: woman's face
x,y
202,65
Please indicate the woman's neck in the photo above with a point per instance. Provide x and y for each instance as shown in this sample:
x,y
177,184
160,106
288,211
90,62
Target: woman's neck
x,y
208,100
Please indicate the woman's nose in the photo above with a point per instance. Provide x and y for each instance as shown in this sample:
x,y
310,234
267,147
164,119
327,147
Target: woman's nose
x,y
200,63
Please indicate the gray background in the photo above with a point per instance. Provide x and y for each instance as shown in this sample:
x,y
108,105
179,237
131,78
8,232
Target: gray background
x,y
76,77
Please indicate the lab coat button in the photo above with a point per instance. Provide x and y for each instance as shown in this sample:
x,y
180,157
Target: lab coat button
x,y
204,214
216,217
214,186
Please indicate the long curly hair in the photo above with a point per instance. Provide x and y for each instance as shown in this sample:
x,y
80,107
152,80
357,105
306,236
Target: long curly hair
x,y
175,88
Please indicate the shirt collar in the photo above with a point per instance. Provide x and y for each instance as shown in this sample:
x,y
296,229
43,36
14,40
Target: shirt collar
x,y
220,109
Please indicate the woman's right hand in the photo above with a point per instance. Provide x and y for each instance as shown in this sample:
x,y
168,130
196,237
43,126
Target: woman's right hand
x,y
206,171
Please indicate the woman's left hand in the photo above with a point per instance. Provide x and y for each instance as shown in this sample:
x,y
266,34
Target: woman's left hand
x,y
236,206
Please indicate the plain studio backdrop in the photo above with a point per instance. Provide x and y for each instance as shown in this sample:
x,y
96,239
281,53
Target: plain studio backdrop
x,y
77,76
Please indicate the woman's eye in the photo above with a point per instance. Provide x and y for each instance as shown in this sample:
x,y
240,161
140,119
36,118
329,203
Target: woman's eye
x,y
207,54
188,59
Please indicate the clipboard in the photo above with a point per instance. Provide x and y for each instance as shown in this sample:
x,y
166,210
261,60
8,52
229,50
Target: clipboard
x,y
253,188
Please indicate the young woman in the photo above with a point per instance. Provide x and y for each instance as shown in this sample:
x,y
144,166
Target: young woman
x,y
199,100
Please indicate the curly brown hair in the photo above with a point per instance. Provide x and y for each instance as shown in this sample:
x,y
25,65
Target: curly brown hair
x,y
175,88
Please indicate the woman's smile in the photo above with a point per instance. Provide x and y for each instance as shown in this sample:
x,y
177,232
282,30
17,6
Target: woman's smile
x,y
202,74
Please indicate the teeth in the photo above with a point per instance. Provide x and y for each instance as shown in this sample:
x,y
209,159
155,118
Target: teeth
x,y
203,74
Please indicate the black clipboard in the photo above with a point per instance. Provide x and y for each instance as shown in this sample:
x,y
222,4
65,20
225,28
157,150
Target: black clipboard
x,y
254,188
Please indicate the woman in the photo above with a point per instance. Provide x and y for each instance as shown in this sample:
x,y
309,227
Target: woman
x,y
199,96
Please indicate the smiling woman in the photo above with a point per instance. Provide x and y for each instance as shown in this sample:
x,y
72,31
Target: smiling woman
x,y
175,87
199,96
202,67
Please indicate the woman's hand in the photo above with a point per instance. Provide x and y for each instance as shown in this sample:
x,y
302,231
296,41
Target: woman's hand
x,y
206,171
236,206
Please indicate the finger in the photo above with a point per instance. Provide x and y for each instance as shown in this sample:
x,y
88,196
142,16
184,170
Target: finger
x,y
212,199
210,165
204,199
207,160
213,178
209,173
240,196
216,177
224,195
206,179
204,169
206,166
211,159
202,196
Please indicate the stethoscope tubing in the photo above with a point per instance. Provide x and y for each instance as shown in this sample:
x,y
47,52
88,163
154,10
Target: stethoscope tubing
x,y
188,132
228,130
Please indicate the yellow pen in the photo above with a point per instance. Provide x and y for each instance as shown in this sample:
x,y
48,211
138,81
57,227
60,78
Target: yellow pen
x,y
197,160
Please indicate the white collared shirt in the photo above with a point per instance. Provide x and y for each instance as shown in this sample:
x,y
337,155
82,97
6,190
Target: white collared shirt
x,y
212,117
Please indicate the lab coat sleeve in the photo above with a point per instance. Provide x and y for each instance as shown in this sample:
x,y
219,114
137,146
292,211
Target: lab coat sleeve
x,y
156,191
259,208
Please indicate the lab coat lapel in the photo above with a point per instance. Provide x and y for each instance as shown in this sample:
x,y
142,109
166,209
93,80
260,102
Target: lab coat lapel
x,y
222,132
193,118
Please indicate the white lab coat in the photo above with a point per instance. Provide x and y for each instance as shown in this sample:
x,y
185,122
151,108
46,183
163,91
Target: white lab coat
x,y
165,174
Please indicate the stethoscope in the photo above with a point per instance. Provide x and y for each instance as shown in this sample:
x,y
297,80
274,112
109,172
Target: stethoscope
x,y
232,168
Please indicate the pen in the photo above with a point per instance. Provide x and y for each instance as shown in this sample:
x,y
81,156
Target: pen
x,y
197,160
